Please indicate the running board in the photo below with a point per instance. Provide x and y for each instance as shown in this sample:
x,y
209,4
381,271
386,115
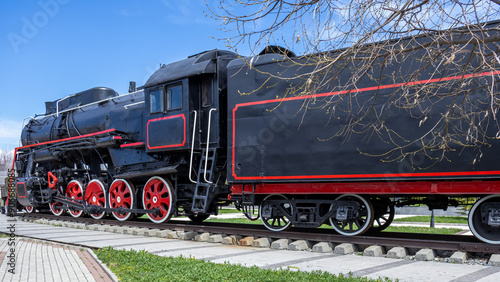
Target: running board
x,y
159,171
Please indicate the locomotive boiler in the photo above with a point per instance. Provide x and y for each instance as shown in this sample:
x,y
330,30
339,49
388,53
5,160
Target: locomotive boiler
x,y
216,129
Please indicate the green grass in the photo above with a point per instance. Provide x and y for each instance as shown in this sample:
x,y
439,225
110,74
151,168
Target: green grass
x,y
143,266
226,210
404,229
437,219
426,230
2,235
234,220
221,211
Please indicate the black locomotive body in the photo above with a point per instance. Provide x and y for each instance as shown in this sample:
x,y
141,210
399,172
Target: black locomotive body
x,y
216,129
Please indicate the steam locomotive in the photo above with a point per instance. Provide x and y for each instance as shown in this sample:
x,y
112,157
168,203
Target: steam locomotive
x,y
217,129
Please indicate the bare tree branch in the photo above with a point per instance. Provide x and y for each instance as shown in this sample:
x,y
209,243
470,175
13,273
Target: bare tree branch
x,y
420,41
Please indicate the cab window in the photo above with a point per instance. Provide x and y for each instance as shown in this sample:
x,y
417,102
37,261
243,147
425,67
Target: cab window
x,y
206,92
174,97
156,100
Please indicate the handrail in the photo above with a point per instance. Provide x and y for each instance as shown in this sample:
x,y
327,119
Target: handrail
x,y
83,106
22,128
208,142
133,104
57,103
192,148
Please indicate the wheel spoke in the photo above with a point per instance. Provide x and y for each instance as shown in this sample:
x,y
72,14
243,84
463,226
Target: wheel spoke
x,y
284,221
121,189
357,225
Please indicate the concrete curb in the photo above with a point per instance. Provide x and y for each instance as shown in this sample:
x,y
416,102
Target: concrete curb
x,y
103,265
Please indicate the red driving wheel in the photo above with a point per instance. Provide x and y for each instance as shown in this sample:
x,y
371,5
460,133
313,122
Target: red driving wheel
x,y
158,194
95,194
56,208
75,192
121,195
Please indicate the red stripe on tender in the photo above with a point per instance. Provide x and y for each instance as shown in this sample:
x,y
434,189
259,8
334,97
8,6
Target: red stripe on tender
x,y
376,188
420,82
378,175
234,140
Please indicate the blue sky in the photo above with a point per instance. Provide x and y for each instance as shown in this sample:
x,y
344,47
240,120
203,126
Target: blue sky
x,y
52,48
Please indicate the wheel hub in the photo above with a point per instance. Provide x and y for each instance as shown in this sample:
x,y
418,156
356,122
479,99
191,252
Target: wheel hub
x,y
155,199
94,199
494,218
341,214
118,199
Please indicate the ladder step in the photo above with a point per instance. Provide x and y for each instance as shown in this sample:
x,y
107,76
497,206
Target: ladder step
x,y
201,195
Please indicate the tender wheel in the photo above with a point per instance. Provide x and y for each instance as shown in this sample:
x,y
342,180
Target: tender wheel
x,y
198,218
56,208
362,221
383,214
121,195
75,192
29,209
485,210
158,194
95,194
276,223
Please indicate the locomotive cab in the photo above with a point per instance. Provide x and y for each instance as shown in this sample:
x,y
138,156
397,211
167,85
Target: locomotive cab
x,y
175,108
186,97
184,112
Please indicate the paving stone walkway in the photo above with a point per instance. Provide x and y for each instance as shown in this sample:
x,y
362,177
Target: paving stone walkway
x,y
23,259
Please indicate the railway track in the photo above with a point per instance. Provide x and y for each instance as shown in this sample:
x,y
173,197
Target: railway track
x,y
388,240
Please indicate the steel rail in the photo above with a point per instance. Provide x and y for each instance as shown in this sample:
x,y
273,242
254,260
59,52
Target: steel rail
x,y
386,239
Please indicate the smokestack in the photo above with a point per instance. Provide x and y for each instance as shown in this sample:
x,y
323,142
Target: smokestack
x,y
131,87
